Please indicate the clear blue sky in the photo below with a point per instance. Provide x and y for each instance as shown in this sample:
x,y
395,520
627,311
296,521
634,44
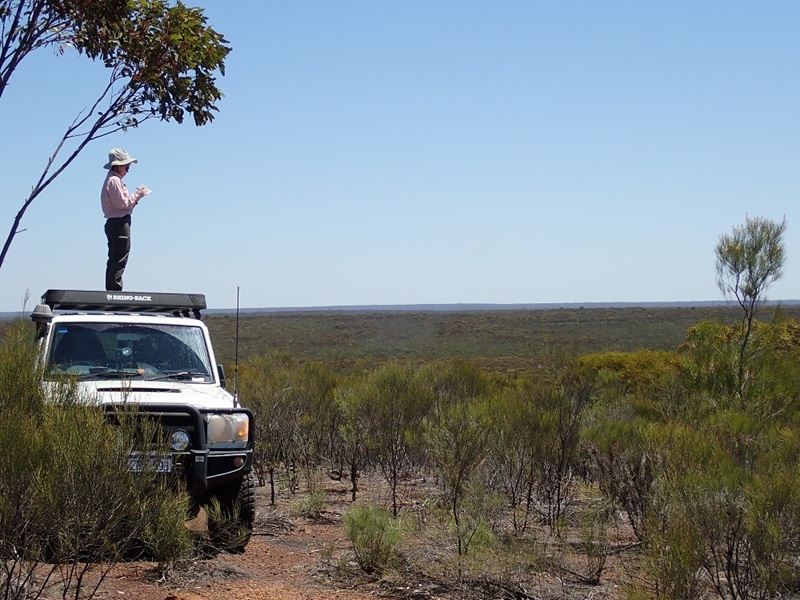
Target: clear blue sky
x,y
433,152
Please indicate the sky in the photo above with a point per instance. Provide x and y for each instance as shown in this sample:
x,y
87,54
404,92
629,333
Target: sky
x,y
431,152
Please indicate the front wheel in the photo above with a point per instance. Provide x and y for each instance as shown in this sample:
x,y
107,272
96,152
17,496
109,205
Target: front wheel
x,y
231,513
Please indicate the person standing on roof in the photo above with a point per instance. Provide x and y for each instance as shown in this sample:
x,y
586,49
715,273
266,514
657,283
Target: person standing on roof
x,y
118,205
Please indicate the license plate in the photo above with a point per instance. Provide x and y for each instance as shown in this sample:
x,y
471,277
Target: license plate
x,y
150,462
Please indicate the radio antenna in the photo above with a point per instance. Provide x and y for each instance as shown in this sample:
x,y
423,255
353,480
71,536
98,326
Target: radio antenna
x,y
236,356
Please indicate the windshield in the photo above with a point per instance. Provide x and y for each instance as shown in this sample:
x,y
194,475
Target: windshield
x,y
94,351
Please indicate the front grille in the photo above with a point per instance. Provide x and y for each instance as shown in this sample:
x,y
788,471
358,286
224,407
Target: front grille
x,y
158,422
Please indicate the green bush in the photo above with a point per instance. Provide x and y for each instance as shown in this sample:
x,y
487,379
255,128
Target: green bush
x,y
634,369
68,496
224,527
19,374
772,523
163,520
374,536
310,506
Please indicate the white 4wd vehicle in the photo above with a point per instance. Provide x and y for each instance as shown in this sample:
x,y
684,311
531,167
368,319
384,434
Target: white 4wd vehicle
x,y
154,352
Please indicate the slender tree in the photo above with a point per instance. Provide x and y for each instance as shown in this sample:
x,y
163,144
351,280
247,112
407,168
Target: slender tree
x,y
351,399
162,60
748,260
393,407
460,443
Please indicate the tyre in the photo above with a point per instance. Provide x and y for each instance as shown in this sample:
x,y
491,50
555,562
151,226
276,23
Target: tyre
x,y
231,513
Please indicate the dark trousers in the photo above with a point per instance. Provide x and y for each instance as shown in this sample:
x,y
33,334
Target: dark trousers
x,y
118,233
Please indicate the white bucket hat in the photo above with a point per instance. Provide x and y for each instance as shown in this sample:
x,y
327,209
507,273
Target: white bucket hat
x,y
118,157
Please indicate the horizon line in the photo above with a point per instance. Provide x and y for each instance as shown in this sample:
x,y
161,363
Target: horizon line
x,y
488,306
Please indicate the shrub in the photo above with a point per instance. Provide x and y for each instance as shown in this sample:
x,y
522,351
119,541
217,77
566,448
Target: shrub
x,y
68,497
634,369
594,540
224,527
310,506
165,535
374,536
19,374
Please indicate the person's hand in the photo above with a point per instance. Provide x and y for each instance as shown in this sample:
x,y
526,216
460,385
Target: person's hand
x,y
143,190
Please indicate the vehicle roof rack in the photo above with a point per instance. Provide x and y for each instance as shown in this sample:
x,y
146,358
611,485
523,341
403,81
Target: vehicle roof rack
x,y
177,304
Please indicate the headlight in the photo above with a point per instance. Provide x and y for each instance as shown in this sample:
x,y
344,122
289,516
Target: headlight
x,y
231,430
179,440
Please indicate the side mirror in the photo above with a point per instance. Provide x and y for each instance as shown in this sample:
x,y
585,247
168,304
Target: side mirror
x,y
221,372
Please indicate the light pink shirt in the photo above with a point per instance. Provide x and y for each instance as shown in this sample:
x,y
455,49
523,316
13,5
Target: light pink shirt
x,y
115,199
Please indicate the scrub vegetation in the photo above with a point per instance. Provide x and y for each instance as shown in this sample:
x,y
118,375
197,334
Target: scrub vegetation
x,y
658,460
669,469
70,509
514,457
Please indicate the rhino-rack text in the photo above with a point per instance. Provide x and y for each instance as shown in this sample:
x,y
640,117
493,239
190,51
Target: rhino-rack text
x,y
128,298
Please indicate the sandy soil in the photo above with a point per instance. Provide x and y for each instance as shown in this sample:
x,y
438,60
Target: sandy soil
x,y
283,560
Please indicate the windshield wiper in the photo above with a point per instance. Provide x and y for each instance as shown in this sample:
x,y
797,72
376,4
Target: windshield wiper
x,y
110,374
178,375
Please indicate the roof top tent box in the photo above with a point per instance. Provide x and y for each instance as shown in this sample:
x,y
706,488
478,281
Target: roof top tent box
x,y
177,304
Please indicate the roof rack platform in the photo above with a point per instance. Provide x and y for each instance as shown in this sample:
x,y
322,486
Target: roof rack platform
x,y
136,302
